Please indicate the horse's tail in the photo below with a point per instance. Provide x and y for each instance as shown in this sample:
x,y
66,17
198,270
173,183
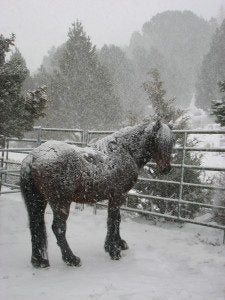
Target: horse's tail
x,y
35,205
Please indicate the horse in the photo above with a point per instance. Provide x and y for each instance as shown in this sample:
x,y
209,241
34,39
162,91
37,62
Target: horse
x,y
59,174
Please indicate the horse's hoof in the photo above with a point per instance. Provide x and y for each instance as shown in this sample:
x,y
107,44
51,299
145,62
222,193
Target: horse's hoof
x,y
40,263
116,255
123,245
73,262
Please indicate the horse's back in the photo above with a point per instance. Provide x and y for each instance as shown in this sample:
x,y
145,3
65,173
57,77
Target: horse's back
x,y
63,170
80,174
51,152
53,166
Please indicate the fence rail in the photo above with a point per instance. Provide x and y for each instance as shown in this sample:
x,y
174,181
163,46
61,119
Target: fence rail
x,y
85,139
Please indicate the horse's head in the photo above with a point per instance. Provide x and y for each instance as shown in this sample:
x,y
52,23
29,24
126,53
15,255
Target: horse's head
x,y
162,146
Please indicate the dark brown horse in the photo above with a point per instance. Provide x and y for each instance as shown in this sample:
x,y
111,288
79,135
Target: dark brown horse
x,y
58,174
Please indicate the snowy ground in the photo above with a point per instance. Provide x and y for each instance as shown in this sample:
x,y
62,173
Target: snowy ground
x,y
163,262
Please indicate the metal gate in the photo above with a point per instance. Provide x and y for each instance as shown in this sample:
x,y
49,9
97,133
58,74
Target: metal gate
x,y
179,201
5,162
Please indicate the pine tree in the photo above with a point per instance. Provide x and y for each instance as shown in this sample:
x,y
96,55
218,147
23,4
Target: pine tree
x,y
80,90
125,83
174,42
166,110
162,107
212,71
218,106
221,15
17,111
5,44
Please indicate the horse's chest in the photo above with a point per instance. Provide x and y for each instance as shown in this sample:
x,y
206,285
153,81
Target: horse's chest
x,y
122,175
114,176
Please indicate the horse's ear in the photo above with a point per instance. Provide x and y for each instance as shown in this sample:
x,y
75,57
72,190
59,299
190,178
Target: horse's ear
x,y
156,126
171,124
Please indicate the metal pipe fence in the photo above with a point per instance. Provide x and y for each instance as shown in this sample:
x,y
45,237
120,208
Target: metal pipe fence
x,y
87,137
181,184
5,162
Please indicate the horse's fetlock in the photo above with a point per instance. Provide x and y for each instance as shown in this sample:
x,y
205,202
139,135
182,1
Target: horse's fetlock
x,y
72,260
107,247
123,245
114,249
39,262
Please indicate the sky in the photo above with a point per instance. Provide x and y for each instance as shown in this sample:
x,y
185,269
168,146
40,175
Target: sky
x,y
41,24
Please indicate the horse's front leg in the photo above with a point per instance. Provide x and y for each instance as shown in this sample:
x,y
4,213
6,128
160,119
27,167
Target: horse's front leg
x,y
113,243
59,229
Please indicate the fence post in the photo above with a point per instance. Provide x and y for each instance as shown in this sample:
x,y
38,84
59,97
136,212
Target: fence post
x,y
87,137
182,174
39,136
2,145
83,138
95,209
7,158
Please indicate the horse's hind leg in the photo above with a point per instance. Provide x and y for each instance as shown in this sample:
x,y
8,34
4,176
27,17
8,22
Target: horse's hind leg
x,y
36,207
59,229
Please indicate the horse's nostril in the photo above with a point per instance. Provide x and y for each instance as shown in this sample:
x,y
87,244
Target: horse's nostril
x,y
165,170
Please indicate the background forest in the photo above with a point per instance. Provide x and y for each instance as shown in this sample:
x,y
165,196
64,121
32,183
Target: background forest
x,y
103,88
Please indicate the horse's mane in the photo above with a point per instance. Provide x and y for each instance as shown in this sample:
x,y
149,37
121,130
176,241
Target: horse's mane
x,y
126,135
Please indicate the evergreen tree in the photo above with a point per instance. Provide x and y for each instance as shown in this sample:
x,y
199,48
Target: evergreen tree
x,y
17,111
221,15
212,71
174,42
166,110
163,108
80,91
125,83
218,106
5,44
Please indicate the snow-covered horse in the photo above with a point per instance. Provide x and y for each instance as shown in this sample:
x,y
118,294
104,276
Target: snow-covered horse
x,y
58,173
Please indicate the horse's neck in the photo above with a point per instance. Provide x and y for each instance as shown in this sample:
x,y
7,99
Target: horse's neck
x,y
140,149
136,140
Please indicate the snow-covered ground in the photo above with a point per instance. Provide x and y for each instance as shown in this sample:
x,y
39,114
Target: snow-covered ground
x,y
163,262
